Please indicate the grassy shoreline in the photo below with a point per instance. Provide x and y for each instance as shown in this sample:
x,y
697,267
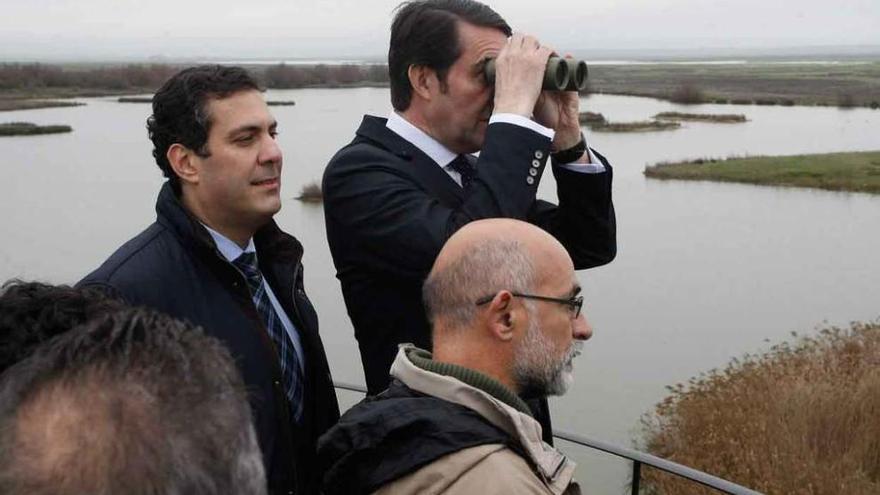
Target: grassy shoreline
x,y
844,85
852,171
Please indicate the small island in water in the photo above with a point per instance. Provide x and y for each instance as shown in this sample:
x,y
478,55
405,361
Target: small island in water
x,y
855,171
31,129
597,122
723,118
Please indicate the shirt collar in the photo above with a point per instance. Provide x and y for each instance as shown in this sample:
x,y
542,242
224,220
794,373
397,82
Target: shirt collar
x,y
229,249
421,140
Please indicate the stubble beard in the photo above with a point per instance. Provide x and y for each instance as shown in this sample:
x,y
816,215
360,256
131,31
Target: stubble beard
x,y
536,372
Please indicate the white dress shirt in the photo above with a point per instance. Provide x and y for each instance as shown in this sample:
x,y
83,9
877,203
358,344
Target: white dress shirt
x,y
443,156
230,250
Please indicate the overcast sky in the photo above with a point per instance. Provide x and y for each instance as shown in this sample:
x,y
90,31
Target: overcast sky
x,y
289,29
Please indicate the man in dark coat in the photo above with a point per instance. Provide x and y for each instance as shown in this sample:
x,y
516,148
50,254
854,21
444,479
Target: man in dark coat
x,y
215,257
396,193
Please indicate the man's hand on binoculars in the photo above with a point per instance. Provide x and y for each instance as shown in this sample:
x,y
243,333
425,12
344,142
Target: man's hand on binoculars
x,y
519,73
558,110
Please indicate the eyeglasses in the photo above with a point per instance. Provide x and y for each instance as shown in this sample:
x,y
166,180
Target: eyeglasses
x,y
575,303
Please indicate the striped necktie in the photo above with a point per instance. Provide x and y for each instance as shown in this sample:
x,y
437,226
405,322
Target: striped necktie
x,y
291,372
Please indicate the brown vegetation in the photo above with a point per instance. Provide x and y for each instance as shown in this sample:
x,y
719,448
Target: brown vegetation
x,y
135,99
645,126
688,93
284,76
802,418
34,76
723,118
311,193
786,84
7,105
591,118
31,129
23,80
846,100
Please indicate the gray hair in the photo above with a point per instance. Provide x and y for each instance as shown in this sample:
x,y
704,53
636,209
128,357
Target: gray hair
x,y
131,402
450,293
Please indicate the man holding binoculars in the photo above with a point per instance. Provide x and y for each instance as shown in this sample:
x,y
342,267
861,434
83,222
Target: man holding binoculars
x,y
404,185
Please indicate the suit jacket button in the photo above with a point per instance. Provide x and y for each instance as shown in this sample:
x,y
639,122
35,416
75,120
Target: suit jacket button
x,y
539,154
533,172
530,180
536,163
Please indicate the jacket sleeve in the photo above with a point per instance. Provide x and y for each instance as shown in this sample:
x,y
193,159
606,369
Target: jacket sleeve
x,y
398,227
393,225
584,222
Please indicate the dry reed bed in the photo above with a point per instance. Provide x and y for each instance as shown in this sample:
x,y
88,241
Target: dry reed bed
x,y
803,418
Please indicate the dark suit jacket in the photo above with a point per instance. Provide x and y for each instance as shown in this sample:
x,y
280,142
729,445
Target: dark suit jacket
x,y
389,208
173,266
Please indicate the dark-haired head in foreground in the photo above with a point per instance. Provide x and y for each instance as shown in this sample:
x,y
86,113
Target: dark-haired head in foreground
x,y
33,312
132,402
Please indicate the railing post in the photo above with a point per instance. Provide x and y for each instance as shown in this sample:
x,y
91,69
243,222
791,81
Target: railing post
x,y
637,477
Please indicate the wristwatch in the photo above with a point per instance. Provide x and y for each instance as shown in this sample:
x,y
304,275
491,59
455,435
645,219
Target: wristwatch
x,y
571,154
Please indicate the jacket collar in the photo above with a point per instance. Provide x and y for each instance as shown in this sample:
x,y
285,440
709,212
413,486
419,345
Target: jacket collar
x,y
440,154
271,242
491,386
556,469
418,165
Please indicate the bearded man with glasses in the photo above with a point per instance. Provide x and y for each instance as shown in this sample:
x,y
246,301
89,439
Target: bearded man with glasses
x,y
506,321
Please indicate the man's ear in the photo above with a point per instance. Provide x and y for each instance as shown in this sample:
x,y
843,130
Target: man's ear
x,y
423,80
502,316
184,162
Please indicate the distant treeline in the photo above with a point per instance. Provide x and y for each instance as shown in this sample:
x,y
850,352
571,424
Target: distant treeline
x,y
299,76
40,76
24,77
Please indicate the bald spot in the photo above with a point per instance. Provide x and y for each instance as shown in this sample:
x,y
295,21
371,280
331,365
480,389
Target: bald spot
x,y
548,254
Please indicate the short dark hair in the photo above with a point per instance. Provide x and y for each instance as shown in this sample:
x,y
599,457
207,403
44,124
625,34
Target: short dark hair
x,y
180,109
424,32
132,402
33,312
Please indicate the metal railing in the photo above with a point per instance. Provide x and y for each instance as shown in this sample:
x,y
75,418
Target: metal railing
x,y
638,459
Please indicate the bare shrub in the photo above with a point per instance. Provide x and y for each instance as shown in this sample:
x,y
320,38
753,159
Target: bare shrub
x,y
311,193
846,100
687,93
801,418
591,118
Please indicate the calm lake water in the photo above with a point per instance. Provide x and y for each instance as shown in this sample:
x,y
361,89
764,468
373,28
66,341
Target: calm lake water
x,y
705,271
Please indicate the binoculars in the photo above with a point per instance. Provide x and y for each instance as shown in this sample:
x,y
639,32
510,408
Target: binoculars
x,y
561,74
